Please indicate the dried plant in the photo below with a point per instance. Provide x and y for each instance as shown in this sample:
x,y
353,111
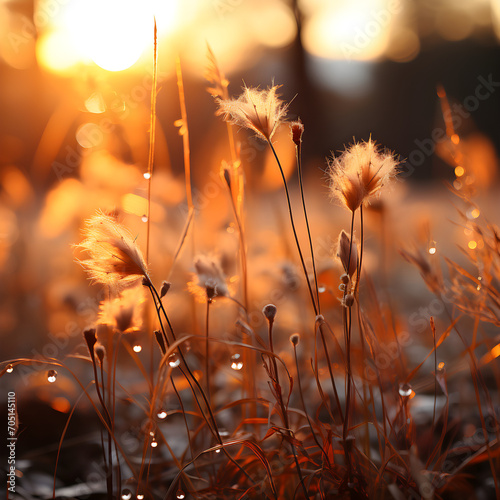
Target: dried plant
x,y
114,256
259,110
248,400
359,173
124,312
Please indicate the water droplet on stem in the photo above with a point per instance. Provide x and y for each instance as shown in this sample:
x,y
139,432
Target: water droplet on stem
x,y
51,376
236,362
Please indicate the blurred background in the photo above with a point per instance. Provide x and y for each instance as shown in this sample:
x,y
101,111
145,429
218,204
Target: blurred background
x,y
75,80
75,90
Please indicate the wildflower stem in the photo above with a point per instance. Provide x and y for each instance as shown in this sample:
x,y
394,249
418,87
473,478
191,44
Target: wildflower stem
x,y
347,330
315,307
152,130
305,409
107,418
185,134
210,420
330,371
361,224
298,154
273,371
350,246
243,252
207,353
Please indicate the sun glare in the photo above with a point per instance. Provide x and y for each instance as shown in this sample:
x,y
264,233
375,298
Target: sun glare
x,y
355,31
113,34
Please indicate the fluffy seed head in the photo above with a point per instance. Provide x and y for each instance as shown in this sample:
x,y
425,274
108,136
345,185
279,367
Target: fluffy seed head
x,y
297,129
114,257
123,312
209,280
259,110
359,173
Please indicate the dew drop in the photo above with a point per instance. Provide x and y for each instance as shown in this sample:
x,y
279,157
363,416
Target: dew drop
x,y
144,218
441,367
180,495
405,390
230,229
140,496
236,362
154,443
126,494
137,348
9,369
51,376
432,247
473,213
217,451
321,289
162,414
146,175
173,360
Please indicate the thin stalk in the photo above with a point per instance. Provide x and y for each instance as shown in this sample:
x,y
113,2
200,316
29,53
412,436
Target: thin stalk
x,y
207,352
305,409
298,154
185,135
284,412
107,466
113,403
361,249
315,307
243,256
211,422
350,246
152,130
330,370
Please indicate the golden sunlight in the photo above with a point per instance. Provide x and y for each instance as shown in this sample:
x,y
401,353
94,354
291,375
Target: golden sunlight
x,y
112,34
358,30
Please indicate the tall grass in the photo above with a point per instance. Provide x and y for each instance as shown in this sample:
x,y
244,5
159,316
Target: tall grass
x,y
329,414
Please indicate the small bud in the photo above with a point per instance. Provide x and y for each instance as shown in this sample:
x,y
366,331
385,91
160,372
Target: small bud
x,y
269,312
227,177
349,300
344,278
211,289
294,338
165,287
297,129
91,339
100,352
344,246
161,341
